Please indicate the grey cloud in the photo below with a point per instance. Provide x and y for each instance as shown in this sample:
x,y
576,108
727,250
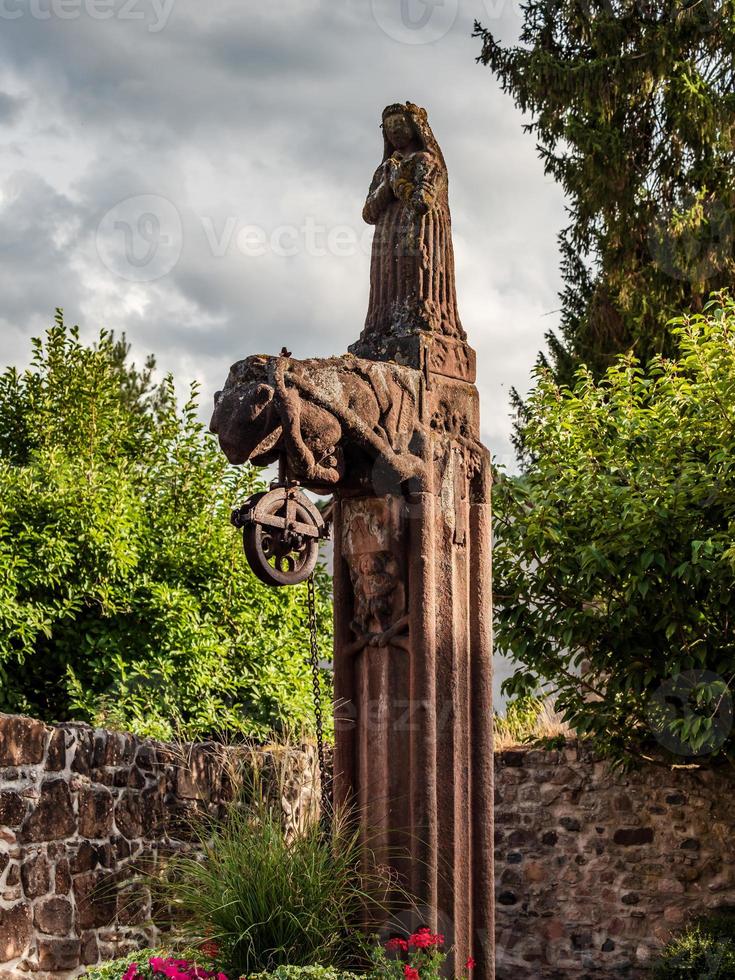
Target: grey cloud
x,y
10,107
268,115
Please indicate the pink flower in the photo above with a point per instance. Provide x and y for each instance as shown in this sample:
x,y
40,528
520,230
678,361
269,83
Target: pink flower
x,y
131,973
410,972
470,964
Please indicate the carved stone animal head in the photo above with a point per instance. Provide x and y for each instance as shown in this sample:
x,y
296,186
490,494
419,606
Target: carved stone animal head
x,y
245,418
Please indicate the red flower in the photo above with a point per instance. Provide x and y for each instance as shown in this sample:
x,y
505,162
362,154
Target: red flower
x,y
425,939
210,948
410,973
394,945
470,964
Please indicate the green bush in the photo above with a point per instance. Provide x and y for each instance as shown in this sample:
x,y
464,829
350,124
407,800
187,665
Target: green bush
x,y
114,969
271,901
125,598
305,973
706,951
614,564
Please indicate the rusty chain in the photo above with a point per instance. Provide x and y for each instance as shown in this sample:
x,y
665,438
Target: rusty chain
x,y
314,663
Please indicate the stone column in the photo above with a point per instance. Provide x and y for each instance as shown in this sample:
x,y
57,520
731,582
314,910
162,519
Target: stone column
x,y
392,430
413,674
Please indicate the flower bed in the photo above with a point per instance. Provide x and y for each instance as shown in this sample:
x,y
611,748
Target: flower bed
x,y
421,956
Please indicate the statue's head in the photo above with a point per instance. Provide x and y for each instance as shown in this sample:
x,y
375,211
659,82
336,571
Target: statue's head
x,y
398,127
406,125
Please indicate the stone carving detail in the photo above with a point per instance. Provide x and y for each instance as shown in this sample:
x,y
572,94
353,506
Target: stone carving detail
x,y
392,429
412,269
332,418
379,611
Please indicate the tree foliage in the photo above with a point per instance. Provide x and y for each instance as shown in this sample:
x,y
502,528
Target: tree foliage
x,y
615,557
633,109
124,595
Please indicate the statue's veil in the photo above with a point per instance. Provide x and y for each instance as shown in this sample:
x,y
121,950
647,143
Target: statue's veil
x,y
420,122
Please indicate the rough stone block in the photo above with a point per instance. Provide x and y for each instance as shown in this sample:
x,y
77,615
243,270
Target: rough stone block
x,y
56,755
56,955
96,898
15,931
53,818
35,874
53,916
62,877
12,808
22,741
95,813
633,836
89,952
129,816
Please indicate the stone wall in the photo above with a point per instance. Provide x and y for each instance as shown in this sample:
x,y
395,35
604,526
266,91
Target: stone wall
x,y
83,812
596,869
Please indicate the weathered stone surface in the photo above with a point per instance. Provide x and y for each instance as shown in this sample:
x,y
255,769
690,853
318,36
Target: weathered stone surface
x,y
22,741
12,808
15,931
129,815
133,905
62,877
35,874
96,899
53,916
53,817
56,955
95,812
633,836
89,952
597,878
56,755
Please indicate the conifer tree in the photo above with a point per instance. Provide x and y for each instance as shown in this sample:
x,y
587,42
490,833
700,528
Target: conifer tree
x,y
632,105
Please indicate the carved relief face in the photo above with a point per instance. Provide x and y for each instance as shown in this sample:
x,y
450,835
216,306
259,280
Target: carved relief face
x,y
399,130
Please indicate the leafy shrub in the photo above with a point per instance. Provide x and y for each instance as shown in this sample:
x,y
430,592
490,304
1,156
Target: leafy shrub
x,y
305,973
125,598
614,561
706,951
529,719
189,966
114,969
268,901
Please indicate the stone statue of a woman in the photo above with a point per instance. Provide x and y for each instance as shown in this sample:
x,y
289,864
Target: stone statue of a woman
x,y
412,287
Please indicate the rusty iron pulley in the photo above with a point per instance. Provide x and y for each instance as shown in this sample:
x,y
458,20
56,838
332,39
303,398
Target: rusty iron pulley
x,y
281,531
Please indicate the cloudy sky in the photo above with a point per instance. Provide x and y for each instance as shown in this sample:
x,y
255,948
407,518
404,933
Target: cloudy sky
x,y
193,174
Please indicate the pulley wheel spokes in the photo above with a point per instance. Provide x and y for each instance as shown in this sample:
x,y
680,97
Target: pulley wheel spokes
x,y
281,533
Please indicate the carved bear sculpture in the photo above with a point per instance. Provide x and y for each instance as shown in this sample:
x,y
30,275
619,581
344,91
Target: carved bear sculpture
x,y
337,420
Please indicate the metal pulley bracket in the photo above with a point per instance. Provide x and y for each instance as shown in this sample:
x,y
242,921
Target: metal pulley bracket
x,y
281,531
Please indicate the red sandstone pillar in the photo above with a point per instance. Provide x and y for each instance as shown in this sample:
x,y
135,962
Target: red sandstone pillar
x,y
414,714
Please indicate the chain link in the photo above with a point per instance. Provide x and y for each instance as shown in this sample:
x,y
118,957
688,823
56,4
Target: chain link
x,y
316,681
